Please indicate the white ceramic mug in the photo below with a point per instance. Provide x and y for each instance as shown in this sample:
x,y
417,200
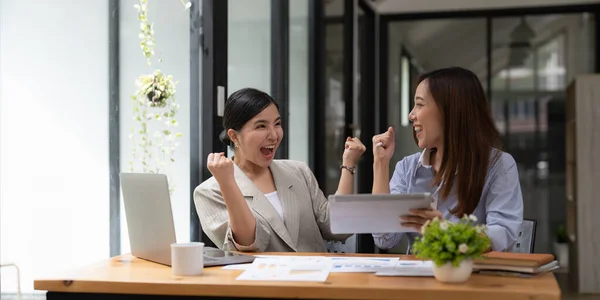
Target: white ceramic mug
x,y
187,259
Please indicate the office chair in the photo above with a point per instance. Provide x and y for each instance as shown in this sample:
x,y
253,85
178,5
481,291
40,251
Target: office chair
x,y
349,246
18,277
526,239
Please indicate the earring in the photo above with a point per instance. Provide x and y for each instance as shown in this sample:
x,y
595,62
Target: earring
x,y
235,145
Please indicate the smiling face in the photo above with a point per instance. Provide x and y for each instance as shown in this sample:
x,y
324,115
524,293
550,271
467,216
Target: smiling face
x,y
428,121
260,137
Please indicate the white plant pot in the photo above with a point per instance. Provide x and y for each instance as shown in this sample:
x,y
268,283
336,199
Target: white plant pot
x,y
562,254
451,274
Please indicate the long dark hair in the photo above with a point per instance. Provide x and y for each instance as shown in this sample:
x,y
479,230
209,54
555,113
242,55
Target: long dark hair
x,y
241,107
470,134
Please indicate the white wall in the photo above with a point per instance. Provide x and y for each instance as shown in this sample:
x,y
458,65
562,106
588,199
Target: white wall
x,y
171,24
53,136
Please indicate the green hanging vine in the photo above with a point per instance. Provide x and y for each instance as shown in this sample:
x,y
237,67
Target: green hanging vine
x,y
155,107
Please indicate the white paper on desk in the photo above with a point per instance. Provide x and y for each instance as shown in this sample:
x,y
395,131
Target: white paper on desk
x,y
315,269
291,258
237,267
409,268
362,264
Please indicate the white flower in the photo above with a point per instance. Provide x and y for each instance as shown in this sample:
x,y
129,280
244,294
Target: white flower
x,y
463,248
444,225
478,229
188,5
473,218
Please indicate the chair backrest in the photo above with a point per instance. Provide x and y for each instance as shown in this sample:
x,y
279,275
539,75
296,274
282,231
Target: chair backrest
x,y
349,246
526,239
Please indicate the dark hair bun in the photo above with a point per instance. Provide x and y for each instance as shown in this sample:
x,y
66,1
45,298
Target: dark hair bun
x,y
224,138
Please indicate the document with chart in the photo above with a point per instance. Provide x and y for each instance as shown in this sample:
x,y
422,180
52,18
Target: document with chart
x,y
286,268
416,268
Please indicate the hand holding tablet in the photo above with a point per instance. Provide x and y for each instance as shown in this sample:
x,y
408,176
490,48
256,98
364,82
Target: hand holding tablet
x,y
368,213
418,217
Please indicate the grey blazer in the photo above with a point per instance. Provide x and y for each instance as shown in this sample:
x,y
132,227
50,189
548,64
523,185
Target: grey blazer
x,y
305,210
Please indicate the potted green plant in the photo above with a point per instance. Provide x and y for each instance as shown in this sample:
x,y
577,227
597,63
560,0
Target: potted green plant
x,y
561,246
452,247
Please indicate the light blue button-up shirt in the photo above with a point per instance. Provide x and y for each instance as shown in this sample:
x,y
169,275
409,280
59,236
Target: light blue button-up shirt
x,y
500,206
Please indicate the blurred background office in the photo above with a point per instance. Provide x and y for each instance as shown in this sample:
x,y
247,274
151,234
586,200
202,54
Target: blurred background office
x,y
68,70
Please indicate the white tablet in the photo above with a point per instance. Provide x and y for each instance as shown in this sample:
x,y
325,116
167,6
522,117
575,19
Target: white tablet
x,y
368,213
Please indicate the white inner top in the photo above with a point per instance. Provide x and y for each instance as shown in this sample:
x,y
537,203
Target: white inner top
x,y
274,199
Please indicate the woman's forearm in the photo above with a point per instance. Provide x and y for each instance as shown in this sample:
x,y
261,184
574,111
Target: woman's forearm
x,y
241,219
346,184
381,176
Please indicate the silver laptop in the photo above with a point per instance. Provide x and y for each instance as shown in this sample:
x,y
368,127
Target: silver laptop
x,y
150,222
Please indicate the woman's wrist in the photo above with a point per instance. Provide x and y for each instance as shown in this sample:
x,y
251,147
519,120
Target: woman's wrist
x,y
349,163
227,182
381,162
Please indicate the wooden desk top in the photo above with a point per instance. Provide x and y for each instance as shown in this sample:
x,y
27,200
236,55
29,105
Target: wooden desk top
x,y
126,274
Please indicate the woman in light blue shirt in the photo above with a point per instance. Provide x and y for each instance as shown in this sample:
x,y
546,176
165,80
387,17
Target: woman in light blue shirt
x,y
459,166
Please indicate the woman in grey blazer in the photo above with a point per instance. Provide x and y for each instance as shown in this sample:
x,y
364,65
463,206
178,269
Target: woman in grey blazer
x,y
256,203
